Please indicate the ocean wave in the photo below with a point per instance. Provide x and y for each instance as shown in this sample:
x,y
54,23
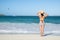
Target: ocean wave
x,y
7,27
17,31
25,31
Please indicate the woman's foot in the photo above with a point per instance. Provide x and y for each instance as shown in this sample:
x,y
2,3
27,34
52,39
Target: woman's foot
x,y
41,35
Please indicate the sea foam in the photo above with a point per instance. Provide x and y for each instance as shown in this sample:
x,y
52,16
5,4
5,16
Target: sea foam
x,y
7,27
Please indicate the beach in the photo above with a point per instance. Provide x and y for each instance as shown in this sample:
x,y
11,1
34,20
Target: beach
x,y
27,37
27,19
27,28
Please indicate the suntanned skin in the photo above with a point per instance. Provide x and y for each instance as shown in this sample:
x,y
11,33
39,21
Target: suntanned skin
x,y
42,20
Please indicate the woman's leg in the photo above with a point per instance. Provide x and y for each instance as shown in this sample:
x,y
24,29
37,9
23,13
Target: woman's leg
x,y
41,30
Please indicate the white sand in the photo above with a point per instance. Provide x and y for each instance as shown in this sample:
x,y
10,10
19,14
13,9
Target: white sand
x,y
27,37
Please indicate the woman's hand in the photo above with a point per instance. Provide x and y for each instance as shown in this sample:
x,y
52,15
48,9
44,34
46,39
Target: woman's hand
x,y
46,14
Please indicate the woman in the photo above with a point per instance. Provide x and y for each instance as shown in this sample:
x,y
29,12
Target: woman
x,y
42,16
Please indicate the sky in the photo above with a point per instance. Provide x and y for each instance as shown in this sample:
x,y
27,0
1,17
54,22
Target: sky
x,y
29,7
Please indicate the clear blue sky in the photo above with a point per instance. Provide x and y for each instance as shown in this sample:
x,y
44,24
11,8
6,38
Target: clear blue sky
x,y
29,7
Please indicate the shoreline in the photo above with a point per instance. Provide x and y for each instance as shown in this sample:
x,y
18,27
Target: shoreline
x,y
27,37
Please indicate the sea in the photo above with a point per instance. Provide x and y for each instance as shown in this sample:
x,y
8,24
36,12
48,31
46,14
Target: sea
x,y
28,24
